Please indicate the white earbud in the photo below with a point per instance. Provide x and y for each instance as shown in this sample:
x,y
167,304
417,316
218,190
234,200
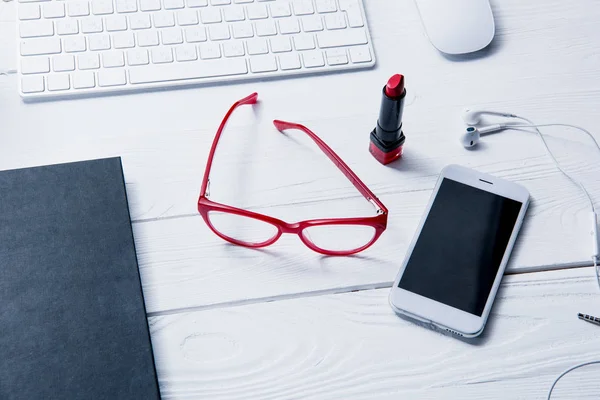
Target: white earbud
x,y
472,134
470,138
473,117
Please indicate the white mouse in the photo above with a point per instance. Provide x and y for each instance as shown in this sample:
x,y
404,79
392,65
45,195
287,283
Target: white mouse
x,y
457,26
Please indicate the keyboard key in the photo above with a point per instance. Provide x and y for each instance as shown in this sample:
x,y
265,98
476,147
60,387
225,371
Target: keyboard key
x,y
348,37
53,10
102,7
360,54
32,84
233,48
196,3
280,10
88,61
171,36
111,77
149,5
289,61
326,6
33,47
186,52
289,26
234,13
123,40
313,59
304,42
265,28
63,63
116,23
209,51
164,19
74,44
189,70
35,65
187,17
220,2
263,63
353,12
303,7
140,21
147,38
242,1
99,42
112,59
218,32
162,55
210,15
67,26
243,30
83,80
257,46
257,11
335,21
312,23
137,57
78,8
126,6
29,29
91,25
58,82
336,56
29,11
195,35
173,4
280,44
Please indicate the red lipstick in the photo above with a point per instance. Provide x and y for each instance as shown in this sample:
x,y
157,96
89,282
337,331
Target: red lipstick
x,y
387,139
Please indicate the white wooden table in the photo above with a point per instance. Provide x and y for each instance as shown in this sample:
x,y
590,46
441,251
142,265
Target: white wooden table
x,y
284,322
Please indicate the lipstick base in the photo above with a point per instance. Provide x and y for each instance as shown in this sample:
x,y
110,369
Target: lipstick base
x,y
386,152
383,157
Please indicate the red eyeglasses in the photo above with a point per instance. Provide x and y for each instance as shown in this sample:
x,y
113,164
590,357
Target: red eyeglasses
x,y
334,237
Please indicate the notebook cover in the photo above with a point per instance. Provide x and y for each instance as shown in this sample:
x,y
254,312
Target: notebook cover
x,y
72,316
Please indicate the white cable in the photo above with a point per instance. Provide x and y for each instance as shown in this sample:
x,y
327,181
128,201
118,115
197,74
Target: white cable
x,y
596,267
573,180
595,257
566,372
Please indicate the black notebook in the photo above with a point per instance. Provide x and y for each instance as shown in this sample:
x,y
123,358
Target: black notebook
x,y
72,317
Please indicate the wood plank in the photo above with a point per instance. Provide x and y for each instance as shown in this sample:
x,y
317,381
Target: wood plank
x,y
183,264
352,346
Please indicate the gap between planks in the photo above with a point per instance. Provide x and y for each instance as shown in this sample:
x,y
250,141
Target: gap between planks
x,y
324,292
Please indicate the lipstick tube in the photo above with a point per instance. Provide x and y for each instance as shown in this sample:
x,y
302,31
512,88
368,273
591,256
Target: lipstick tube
x,y
387,139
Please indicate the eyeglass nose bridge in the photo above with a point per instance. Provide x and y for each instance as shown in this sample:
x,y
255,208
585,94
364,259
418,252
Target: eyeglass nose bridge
x,y
295,228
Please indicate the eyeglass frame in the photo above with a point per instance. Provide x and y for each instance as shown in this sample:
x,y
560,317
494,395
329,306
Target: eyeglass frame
x,y
205,205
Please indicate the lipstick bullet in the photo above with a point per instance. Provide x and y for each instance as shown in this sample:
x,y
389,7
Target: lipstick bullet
x,y
387,139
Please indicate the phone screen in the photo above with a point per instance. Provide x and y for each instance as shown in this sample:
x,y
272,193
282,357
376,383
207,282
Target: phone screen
x,y
457,255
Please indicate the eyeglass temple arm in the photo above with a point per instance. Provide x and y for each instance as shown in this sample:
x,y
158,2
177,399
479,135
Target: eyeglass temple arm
x,y
251,99
358,184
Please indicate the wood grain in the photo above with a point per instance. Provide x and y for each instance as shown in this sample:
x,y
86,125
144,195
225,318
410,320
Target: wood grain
x,y
352,346
183,264
543,64
539,65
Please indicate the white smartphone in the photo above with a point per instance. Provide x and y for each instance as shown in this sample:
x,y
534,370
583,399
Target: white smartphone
x,y
457,257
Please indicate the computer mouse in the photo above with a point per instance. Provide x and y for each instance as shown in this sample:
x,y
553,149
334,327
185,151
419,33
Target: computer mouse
x,y
457,26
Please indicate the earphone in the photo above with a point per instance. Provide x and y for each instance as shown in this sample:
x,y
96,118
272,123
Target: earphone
x,y
471,137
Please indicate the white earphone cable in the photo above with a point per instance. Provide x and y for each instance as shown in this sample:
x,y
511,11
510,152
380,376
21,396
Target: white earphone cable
x,y
566,372
541,136
583,189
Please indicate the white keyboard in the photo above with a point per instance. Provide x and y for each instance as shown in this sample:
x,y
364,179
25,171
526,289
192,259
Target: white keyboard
x,y
71,47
